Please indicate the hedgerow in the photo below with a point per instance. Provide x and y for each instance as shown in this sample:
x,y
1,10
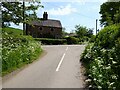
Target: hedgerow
x,y
18,50
48,41
106,38
102,60
72,40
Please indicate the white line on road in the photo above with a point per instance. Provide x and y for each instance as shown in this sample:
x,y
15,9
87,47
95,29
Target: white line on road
x,y
57,69
66,48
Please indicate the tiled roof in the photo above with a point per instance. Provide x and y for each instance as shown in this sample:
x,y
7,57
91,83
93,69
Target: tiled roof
x,y
49,23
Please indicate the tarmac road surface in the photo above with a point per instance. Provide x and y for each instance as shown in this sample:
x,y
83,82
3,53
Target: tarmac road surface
x,y
59,68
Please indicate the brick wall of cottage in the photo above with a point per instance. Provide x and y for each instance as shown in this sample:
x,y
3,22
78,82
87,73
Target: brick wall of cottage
x,y
43,32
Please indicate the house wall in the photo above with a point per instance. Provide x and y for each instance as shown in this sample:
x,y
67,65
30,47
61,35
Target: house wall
x,y
43,32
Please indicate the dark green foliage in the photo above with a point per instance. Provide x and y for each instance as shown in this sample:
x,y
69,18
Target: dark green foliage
x,y
110,13
17,50
92,39
48,41
72,40
11,12
106,38
17,12
102,60
83,33
66,40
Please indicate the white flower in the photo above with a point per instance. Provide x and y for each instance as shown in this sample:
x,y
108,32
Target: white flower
x,y
112,83
99,62
96,59
6,33
100,75
108,82
94,79
99,80
27,59
99,57
89,75
100,65
88,80
88,49
99,87
114,62
107,67
94,67
114,77
111,58
103,50
90,86
11,38
114,88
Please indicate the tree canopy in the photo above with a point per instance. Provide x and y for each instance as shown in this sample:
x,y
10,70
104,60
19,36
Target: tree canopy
x,y
82,31
110,13
17,13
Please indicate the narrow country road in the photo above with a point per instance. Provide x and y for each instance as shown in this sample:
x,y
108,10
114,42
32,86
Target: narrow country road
x,y
59,68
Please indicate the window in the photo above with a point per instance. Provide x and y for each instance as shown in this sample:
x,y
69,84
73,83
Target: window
x,y
52,29
40,28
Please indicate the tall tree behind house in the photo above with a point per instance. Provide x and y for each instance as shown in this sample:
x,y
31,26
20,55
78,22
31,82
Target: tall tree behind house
x,y
17,12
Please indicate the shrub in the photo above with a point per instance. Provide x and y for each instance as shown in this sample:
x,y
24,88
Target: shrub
x,y
18,50
102,67
72,40
102,60
48,41
92,39
106,37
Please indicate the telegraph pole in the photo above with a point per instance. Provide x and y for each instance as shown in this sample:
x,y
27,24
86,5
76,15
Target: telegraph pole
x,y
24,31
96,25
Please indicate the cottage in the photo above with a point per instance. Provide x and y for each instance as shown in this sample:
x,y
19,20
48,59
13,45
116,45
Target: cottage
x,y
45,28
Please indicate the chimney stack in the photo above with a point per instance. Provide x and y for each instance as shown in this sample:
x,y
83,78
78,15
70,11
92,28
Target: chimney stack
x,y
45,16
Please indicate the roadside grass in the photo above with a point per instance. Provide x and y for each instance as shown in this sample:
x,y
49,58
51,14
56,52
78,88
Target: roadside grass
x,y
12,31
17,50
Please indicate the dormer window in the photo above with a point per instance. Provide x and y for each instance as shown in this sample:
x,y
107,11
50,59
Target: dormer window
x,y
40,28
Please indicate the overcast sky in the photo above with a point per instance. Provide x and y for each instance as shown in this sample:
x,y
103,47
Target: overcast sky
x,y
83,12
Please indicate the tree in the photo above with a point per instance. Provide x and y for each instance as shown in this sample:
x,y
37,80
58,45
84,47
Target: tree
x,y
117,16
110,13
90,32
81,31
11,12
17,12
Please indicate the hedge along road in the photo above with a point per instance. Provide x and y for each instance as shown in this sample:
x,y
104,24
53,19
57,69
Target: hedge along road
x,y
59,68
